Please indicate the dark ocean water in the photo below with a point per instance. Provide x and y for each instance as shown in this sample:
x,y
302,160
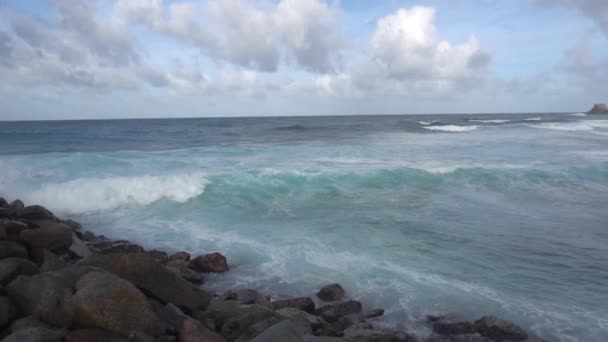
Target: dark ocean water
x,y
467,214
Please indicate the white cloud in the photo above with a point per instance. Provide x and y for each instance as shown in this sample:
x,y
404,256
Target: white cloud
x,y
597,10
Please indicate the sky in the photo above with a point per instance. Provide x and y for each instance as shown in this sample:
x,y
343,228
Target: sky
x,y
82,59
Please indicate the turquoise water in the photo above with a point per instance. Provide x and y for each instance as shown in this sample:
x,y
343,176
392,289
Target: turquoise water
x,y
470,215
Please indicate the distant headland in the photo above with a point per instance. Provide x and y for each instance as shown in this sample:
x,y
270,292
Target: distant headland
x,y
599,108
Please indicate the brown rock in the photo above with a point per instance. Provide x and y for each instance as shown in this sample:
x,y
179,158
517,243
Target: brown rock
x,y
185,256
51,235
11,249
159,256
10,268
79,249
193,331
11,228
103,300
247,296
93,335
181,269
153,278
36,334
365,335
36,212
246,316
331,292
333,312
455,328
209,263
498,329
101,242
300,303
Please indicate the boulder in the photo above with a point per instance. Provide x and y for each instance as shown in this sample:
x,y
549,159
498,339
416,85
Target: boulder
x,y
181,269
247,315
122,248
284,331
192,331
51,262
50,235
94,335
300,303
498,329
457,338
209,263
27,322
247,296
455,328
333,312
46,296
11,229
35,212
36,334
73,224
372,314
599,108
88,236
153,278
16,205
12,249
3,202
105,301
101,242
7,312
219,311
10,268
257,328
184,256
79,249
331,292
159,256
294,314
365,335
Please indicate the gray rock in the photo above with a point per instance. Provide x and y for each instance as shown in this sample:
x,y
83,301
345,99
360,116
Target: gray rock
x,y
7,312
193,331
103,300
184,256
331,292
257,328
370,335
209,263
498,329
10,268
159,256
36,334
247,296
101,242
52,262
284,331
78,248
3,202
457,338
180,268
153,278
372,313
293,314
247,315
16,205
11,228
122,248
12,249
599,108
300,303
455,328
94,335
333,312
36,212
27,322
51,235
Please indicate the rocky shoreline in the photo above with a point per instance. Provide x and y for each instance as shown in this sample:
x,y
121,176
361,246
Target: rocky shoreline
x,y
61,282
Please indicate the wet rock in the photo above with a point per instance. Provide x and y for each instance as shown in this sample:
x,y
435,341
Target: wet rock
x,y
599,108
498,329
159,256
219,311
370,335
93,335
331,292
36,334
246,316
209,263
103,300
12,249
101,242
181,269
247,296
171,318
184,256
300,303
333,312
35,212
16,205
46,296
52,262
27,322
73,224
3,202
88,236
122,248
153,278
372,313
192,331
457,338
455,328
11,229
10,268
294,314
284,331
50,235
257,328
79,249
8,312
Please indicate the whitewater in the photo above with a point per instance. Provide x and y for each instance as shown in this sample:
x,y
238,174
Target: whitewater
x,y
462,214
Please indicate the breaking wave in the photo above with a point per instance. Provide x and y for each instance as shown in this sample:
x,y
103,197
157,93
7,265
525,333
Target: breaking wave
x,y
452,128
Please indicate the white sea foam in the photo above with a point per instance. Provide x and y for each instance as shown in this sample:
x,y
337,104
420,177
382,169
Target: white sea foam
x,y
96,194
579,114
452,128
533,119
426,123
490,121
589,125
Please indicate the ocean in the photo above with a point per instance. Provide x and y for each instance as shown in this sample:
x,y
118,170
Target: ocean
x,y
462,214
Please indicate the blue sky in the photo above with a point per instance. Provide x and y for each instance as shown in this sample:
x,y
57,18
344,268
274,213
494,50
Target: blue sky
x,y
153,58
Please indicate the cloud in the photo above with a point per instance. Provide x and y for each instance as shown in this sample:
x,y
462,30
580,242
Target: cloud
x,y
585,69
597,10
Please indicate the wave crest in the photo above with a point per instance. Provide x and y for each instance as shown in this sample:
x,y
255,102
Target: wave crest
x,y
96,194
452,128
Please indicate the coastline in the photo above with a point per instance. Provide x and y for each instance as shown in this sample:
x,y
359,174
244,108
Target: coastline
x,y
64,282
